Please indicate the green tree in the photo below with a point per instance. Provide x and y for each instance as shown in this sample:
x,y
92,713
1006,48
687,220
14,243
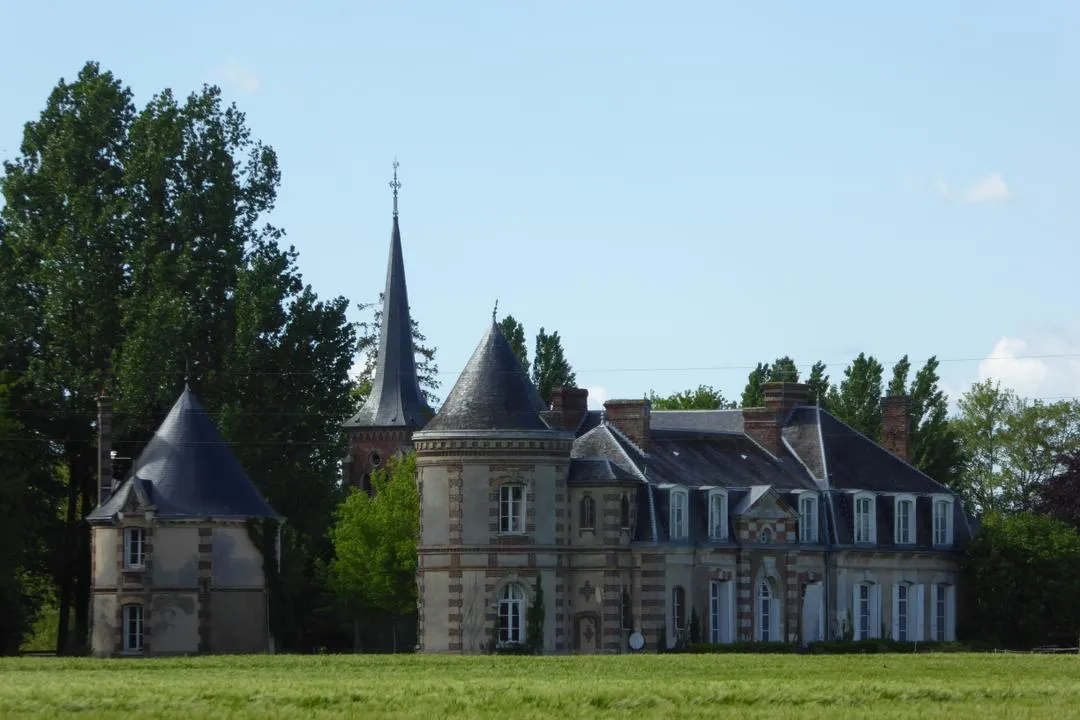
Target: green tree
x,y
375,541
1022,578
898,384
704,397
857,400
784,370
534,622
754,393
427,368
550,368
143,250
818,383
515,335
1013,446
1059,497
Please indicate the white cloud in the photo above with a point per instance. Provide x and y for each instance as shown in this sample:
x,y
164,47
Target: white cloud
x,y
991,188
597,396
238,76
1042,366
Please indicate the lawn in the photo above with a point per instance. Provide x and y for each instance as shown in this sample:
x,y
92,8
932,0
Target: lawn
x,y
647,686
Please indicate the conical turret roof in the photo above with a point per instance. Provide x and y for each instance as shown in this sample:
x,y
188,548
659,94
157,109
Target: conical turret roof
x,y
396,398
188,470
492,393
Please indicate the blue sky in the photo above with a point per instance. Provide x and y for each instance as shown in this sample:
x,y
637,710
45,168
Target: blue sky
x,y
682,189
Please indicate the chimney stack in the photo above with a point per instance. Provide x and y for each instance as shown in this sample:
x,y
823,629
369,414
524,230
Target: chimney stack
x,y
568,407
896,425
105,468
764,424
632,418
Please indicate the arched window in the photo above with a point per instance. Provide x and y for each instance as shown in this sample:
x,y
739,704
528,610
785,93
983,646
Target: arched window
x,y
765,612
588,513
678,608
766,535
512,614
624,512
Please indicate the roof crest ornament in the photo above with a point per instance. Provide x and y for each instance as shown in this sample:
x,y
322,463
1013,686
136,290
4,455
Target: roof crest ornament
x,y
495,310
395,185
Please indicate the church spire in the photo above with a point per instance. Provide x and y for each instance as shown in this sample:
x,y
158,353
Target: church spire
x,y
395,399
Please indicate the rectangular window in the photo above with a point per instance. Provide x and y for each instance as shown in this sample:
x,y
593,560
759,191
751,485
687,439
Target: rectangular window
x,y
134,548
942,524
864,612
864,525
133,628
718,516
905,515
808,519
678,515
678,608
511,502
627,611
902,613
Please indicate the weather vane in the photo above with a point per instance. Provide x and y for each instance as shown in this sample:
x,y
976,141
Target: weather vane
x,y
395,185
495,310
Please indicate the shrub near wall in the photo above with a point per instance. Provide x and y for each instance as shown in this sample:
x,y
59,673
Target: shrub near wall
x,y
861,647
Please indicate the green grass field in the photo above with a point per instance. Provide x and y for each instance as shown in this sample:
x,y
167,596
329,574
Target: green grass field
x,y
648,686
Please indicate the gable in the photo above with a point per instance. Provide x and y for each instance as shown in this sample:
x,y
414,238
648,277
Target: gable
x,y
763,502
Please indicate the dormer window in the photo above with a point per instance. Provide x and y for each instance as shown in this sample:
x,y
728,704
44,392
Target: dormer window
x,y
134,548
943,521
511,509
904,530
865,519
808,518
678,514
718,519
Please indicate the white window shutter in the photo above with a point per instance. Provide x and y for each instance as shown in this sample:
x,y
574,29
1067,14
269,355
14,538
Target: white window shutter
x,y
875,610
933,612
895,612
950,613
919,614
855,611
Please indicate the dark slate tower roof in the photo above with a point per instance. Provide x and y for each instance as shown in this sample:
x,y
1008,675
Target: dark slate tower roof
x,y
395,399
186,471
493,392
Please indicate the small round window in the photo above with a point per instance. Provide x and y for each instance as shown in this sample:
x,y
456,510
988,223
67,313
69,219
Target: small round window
x,y
375,459
766,535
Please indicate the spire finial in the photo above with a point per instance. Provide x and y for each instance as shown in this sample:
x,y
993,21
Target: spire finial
x,y
395,185
187,373
495,310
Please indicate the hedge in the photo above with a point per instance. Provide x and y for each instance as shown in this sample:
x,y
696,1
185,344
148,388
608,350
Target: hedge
x,y
832,648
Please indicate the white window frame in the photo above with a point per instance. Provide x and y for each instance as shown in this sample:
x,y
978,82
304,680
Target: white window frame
x,y
904,534
587,509
718,515
808,518
942,526
512,509
511,617
679,514
722,611
766,612
134,548
870,536
678,607
132,628
866,605
943,600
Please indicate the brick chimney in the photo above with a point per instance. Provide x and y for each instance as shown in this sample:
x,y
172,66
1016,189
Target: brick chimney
x,y
765,423
632,418
896,425
568,407
105,468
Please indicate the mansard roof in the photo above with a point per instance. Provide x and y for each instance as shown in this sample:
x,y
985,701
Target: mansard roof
x,y
492,393
188,471
396,399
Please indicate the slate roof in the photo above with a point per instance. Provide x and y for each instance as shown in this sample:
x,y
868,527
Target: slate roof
x,y
396,399
698,420
587,471
492,393
188,471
